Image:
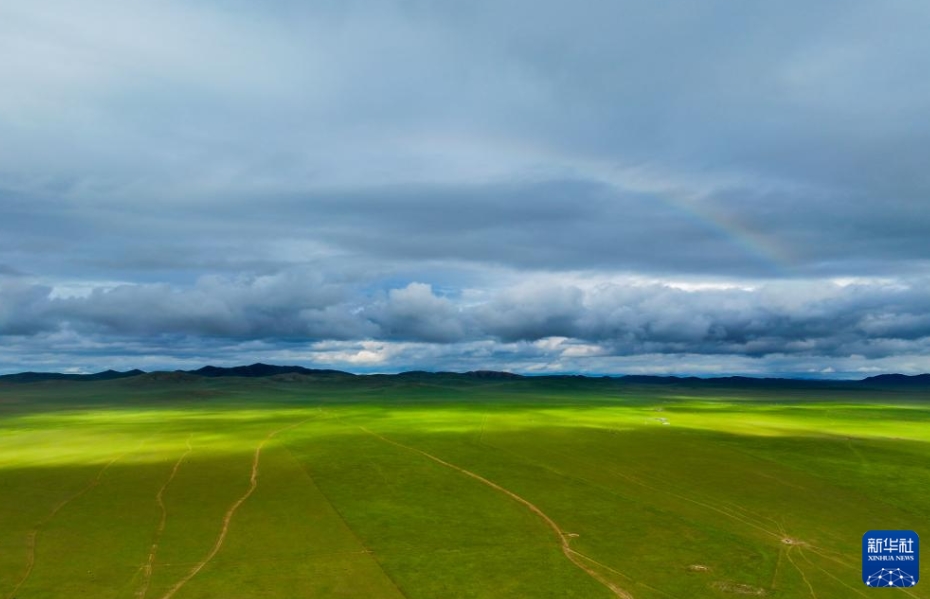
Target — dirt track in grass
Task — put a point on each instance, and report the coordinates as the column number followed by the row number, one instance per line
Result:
column 32, row 538
column 224, row 530
column 160, row 500
column 564, row 538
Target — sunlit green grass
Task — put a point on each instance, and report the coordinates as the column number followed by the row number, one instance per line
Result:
column 669, row 492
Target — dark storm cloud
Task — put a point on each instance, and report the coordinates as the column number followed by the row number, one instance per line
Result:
column 423, row 173
column 875, row 320
column 286, row 305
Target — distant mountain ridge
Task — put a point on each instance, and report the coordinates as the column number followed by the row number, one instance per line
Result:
column 899, row 379
column 30, row 377
column 260, row 370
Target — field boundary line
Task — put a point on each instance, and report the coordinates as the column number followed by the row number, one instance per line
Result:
column 564, row 543
column 159, row 499
column 365, row 549
column 227, row 518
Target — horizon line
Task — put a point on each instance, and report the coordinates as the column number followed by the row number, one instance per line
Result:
column 139, row 371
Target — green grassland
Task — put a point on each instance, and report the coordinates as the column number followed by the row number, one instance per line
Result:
column 436, row 489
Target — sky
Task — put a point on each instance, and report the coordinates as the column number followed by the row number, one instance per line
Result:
column 608, row 187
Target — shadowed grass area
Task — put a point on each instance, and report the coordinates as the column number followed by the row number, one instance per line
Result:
column 410, row 490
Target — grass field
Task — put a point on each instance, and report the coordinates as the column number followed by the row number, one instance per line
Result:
column 262, row 488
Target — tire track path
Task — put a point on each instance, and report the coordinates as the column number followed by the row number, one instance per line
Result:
column 575, row 557
column 253, row 483
column 839, row 580
column 801, row 572
column 32, row 538
column 160, row 500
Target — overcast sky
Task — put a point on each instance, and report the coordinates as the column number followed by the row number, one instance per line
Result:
column 607, row 187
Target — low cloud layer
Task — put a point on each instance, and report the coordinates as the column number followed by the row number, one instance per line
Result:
column 535, row 320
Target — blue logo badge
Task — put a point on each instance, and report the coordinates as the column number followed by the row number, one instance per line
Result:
column 890, row 558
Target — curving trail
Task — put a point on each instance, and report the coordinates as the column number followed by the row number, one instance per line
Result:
column 575, row 557
column 781, row 553
column 253, row 483
column 159, row 499
column 33, row 537
column 836, row 578
column 801, row 572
